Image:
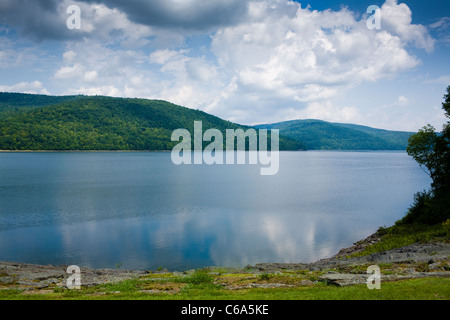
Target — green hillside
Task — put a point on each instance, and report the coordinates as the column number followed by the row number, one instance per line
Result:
column 322, row 135
column 39, row 122
column 11, row 101
column 42, row 122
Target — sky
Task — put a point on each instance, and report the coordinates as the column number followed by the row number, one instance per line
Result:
column 246, row 61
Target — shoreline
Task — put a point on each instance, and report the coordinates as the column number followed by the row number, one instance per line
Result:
column 418, row 260
column 316, row 150
column 63, row 151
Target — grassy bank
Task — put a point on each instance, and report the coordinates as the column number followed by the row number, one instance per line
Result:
column 174, row 288
column 400, row 235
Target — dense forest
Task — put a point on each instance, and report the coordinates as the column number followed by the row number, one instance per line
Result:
column 322, row 135
column 39, row 122
column 42, row 122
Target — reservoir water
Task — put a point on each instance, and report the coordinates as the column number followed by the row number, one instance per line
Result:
column 138, row 210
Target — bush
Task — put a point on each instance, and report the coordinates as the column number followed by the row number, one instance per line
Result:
column 427, row 209
column 199, row 277
column 446, row 226
column 421, row 208
column 264, row 276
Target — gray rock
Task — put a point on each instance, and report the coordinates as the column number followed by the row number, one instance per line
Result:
column 343, row 279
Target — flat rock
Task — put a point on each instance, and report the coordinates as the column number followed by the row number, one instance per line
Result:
column 416, row 253
column 24, row 275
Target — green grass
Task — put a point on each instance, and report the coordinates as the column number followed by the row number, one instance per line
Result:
column 201, row 276
column 400, row 235
column 416, row 289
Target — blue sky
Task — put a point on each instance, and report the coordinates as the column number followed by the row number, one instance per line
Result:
column 250, row 62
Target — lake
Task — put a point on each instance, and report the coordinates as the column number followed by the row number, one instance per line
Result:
column 137, row 210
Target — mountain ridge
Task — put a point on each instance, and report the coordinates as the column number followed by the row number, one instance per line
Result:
column 79, row 122
column 39, row 122
column 324, row 135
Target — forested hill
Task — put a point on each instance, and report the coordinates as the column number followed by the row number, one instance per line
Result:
column 322, row 135
column 40, row 122
column 15, row 101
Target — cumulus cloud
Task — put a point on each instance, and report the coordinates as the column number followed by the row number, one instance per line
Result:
column 89, row 67
column 110, row 91
column 295, row 54
column 397, row 18
column 69, row 72
column 35, row 87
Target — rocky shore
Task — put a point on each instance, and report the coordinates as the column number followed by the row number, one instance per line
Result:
column 408, row 262
column 413, row 261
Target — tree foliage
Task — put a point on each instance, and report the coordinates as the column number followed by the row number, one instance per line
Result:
column 432, row 151
column 323, row 135
column 422, row 147
column 39, row 122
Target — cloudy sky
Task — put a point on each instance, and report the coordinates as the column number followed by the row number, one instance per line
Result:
column 247, row 61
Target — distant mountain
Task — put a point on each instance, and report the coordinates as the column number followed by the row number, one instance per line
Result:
column 41, row 122
column 323, row 135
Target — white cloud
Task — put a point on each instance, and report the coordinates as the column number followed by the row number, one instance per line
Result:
column 166, row 55
column 90, row 76
column 397, row 18
column 302, row 58
column 112, row 25
column 35, row 87
column 69, row 72
column 402, row 101
column 91, row 66
column 69, row 56
column 325, row 111
column 101, row 91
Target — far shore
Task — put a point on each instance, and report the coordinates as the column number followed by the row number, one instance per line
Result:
column 314, row 150
column 31, row 151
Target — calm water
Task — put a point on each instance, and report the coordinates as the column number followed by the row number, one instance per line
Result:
column 140, row 211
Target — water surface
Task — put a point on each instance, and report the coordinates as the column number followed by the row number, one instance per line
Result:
column 138, row 210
